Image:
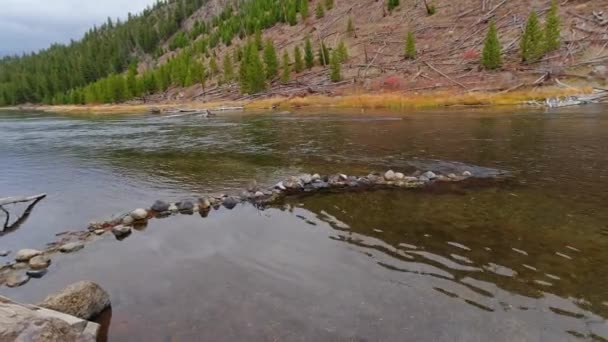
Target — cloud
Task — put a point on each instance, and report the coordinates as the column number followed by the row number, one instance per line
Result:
column 30, row 25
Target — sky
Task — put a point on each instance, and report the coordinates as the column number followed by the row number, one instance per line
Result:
column 30, row 25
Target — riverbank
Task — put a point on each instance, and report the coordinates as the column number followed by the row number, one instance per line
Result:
column 349, row 100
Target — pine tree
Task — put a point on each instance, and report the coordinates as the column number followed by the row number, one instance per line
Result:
column 329, row 4
column 286, row 70
column 323, row 55
column 350, row 27
column 213, row 67
column 251, row 78
column 531, row 45
column 271, row 60
column 309, row 56
column 392, row 4
column 552, row 28
column 258, row 39
column 228, row 69
column 291, row 13
column 410, row 46
column 342, row 52
column 319, row 11
column 304, row 10
column 132, row 81
column 336, row 75
column 298, row 62
column 491, row 57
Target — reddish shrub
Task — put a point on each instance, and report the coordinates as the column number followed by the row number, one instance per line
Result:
column 392, row 82
column 470, row 54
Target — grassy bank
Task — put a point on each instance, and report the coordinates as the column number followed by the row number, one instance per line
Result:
column 389, row 101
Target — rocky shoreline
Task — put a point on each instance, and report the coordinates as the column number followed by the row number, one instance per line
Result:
column 33, row 263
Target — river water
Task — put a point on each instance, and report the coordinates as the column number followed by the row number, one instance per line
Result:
column 518, row 260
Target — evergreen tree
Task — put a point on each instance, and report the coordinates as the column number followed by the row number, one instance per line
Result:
column 392, row 4
column 531, row 44
column 342, row 52
column 552, row 28
column 304, row 10
column 350, row 27
column 291, row 13
column 132, row 81
column 329, row 4
column 319, row 11
column 309, row 56
column 286, row 70
column 228, row 69
column 270, row 60
column 213, row 67
column 323, row 55
column 298, row 61
column 251, row 78
column 336, row 74
column 491, row 57
column 258, row 39
column 410, row 46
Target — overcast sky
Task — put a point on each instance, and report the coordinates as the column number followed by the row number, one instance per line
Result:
column 30, row 25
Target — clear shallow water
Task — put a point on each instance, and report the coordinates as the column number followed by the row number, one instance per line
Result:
column 519, row 260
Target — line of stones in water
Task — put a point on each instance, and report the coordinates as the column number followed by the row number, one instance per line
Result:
column 32, row 263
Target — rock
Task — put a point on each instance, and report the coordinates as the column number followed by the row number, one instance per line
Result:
column 84, row 300
column 173, row 208
column 127, row 220
column 99, row 231
column 139, row 214
column 121, row 232
column 430, row 175
column 318, row 185
column 343, row 176
column 29, row 323
column 280, row 186
column 229, row 203
column 259, row 194
column 452, row 176
column 17, row 279
column 399, row 176
column 37, row 274
column 204, row 203
column 424, row 179
column 4, row 253
column 467, row 174
column 316, row 177
column 410, row 179
column 39, row 262
column 93, row 225
column 335, row 180
column 25, row 255
column 292, row 183
column 389, row 175
column 306, row 178
column 71, row 247
column 185, row 206
column 20, row 265
column 160, row 206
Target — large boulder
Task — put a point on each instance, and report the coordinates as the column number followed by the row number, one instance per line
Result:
column 20, row 322
column 84, row 300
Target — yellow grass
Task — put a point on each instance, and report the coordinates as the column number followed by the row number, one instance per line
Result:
column 391, row 101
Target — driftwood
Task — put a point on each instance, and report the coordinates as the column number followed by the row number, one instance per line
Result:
column 8, row 228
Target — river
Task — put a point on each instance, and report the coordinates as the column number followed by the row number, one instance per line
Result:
column 518, row 260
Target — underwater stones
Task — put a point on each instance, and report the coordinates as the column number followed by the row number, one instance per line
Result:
column 389, row 175
column 71, row 247
column 121, row 232
column 84, row 300
column 160, row 206
column 230, row 203
column 139, row 214
column 17, row 279
column 39, row 262
column 37, row 274
column 25, row 255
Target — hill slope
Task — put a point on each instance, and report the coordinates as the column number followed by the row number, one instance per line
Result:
column 197, row 50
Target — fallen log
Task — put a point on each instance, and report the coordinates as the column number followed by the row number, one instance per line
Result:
column 13, row 200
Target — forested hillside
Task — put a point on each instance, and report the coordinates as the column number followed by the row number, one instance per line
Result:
column 207, row 49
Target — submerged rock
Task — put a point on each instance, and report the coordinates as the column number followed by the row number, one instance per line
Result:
column 17, row 279
column 121, row 232
column 84, row 300
column 139, row 214
column 25, row 255
column 71, row 247
column 160, row 206
column 37, row 274
column 4, row 253
column 230, row 203
column 39, row 262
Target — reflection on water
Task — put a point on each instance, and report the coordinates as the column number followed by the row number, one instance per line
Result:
column 517, row 260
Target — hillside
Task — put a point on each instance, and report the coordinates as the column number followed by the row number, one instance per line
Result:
column 196, row 50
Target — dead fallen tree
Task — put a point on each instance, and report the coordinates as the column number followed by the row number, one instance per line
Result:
column 7, row 226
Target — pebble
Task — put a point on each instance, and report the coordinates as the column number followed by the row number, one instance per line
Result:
column 26, row 254
column 389, row 175
column 139, row 214
column 71, row 247
column 17, row 279
column 160, row 206
column 4, row 253
column 121, row 232
column 37, row 274
column 39, row 262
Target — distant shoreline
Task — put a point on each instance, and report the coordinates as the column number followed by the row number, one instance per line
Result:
column 385, row 100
